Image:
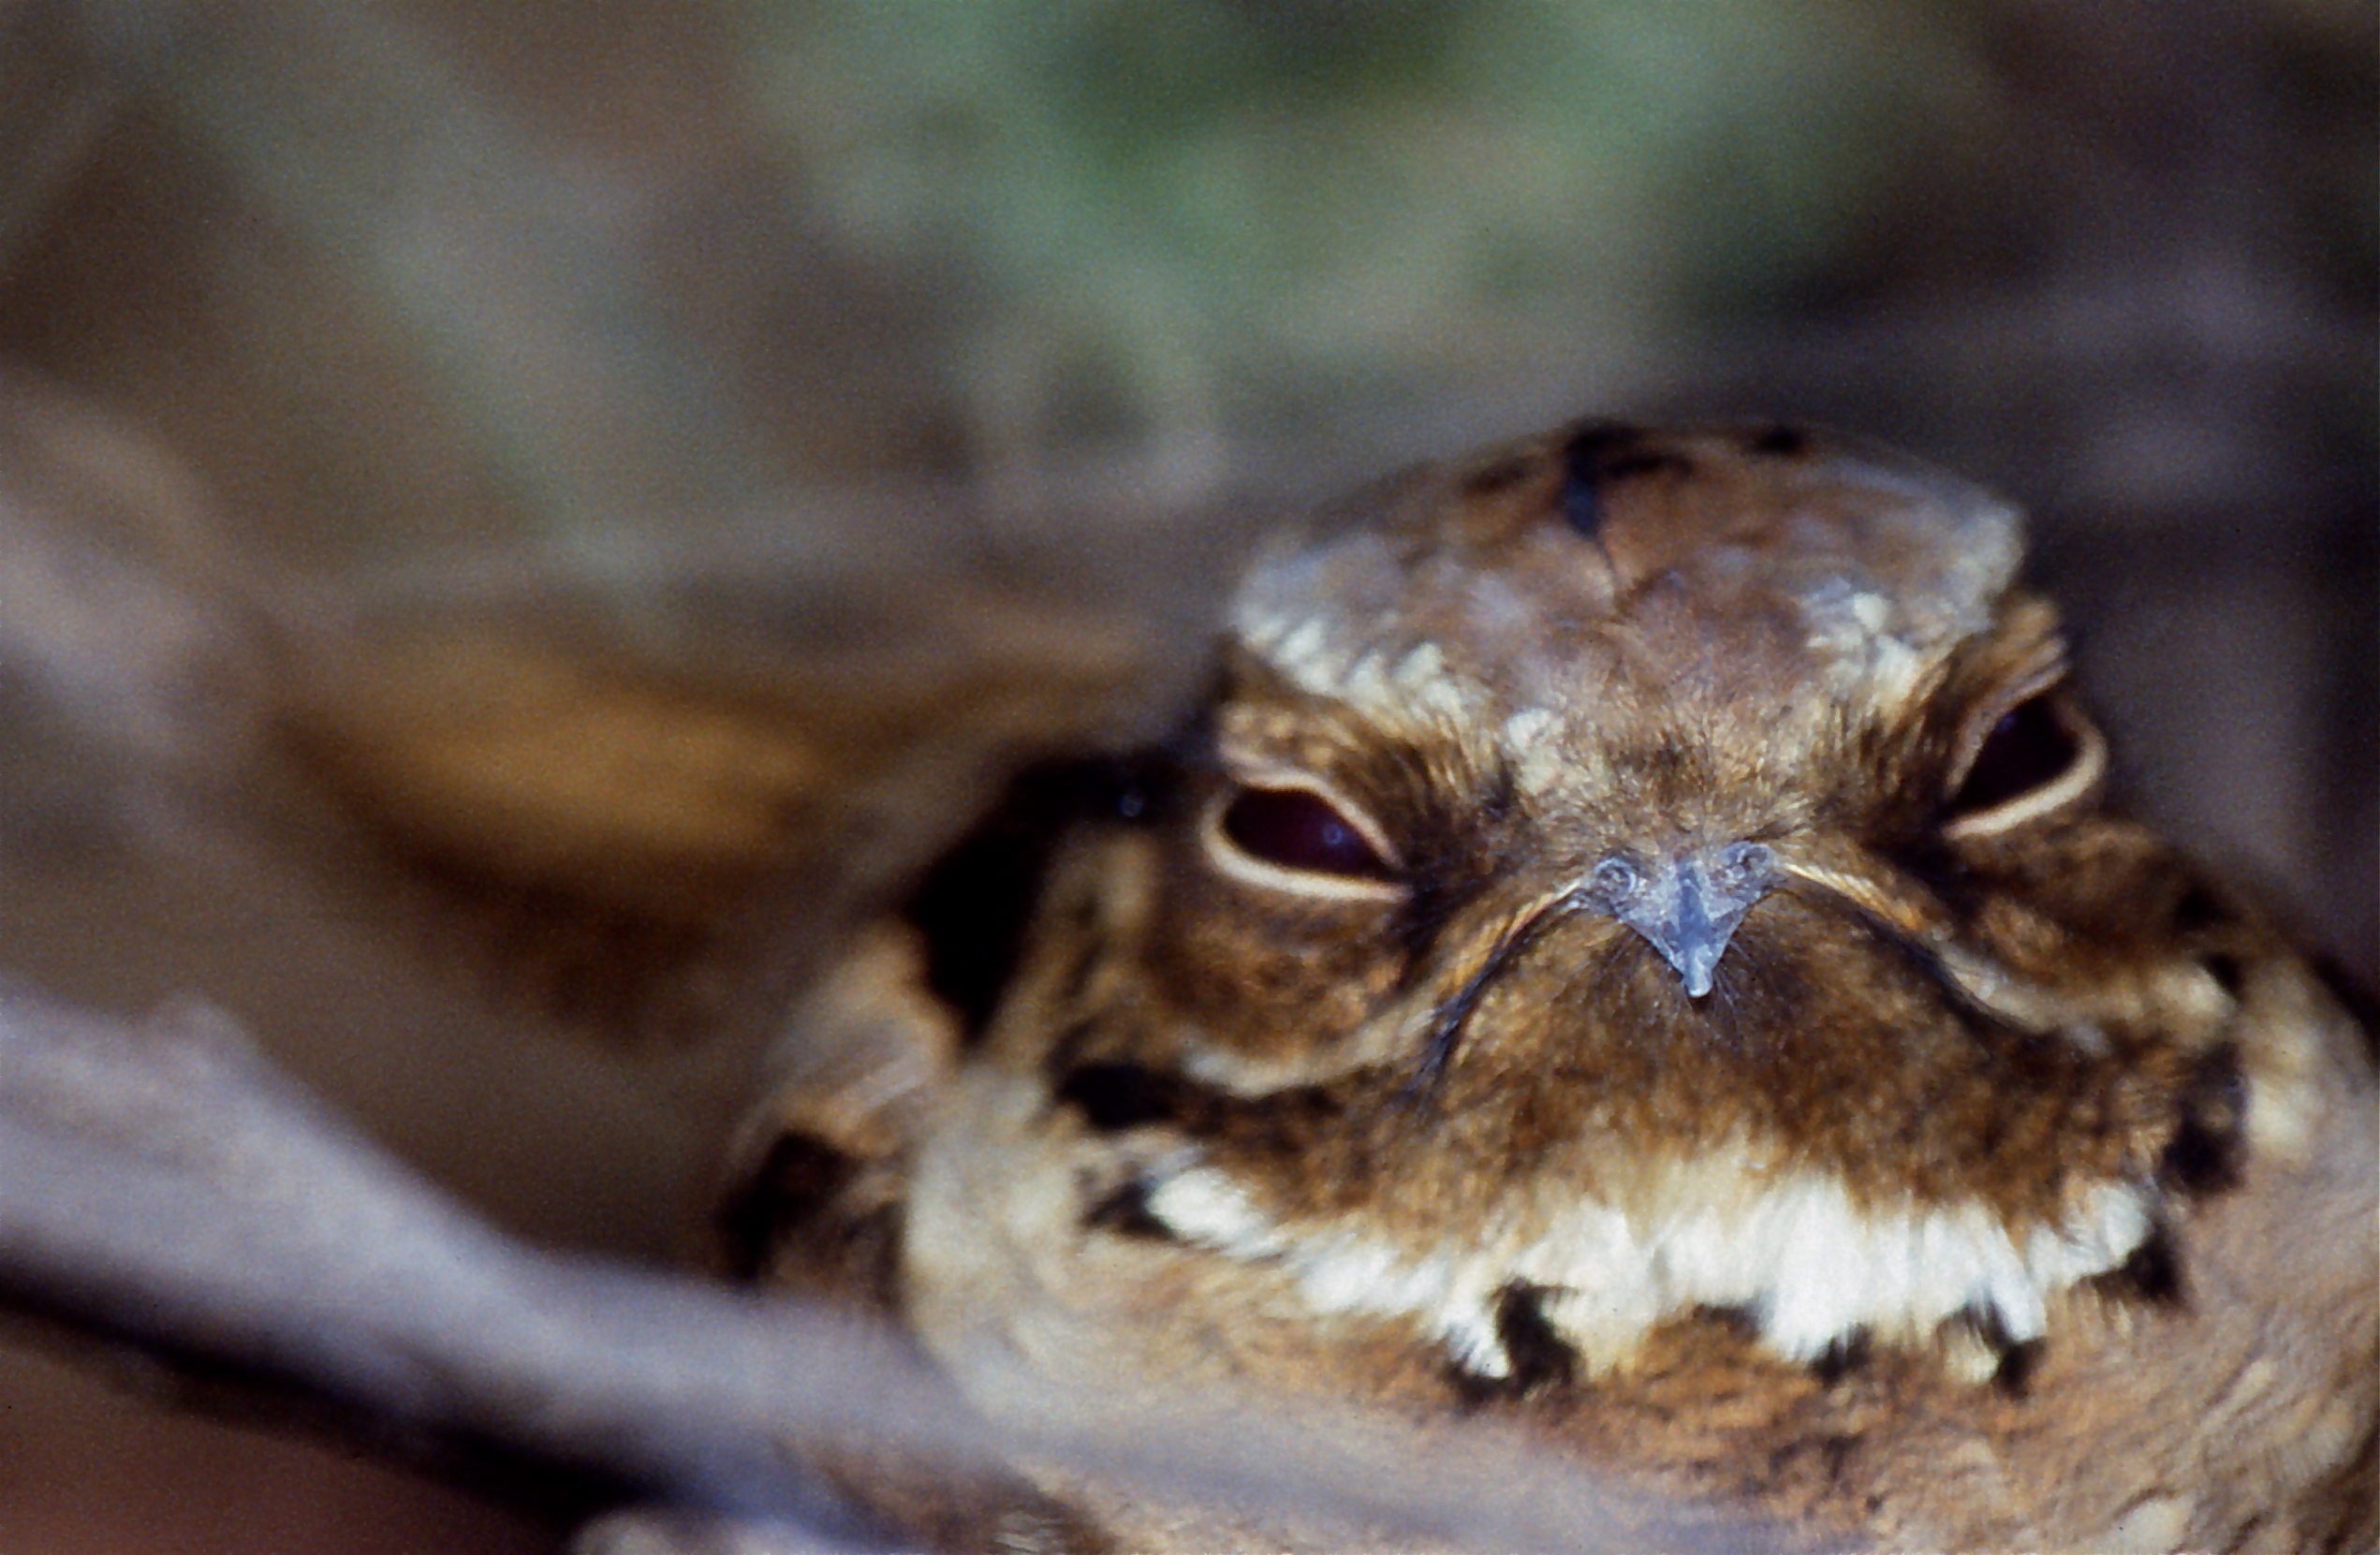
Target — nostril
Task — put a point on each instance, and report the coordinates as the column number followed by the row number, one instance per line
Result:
column 1745, row 862
column 1616, row 879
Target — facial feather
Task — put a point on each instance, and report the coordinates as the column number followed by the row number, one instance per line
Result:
column 1905, row 1089
column 1636, row 929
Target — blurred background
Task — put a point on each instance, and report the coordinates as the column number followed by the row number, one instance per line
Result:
column 889, row 382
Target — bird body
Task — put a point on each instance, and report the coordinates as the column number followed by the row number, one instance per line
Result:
column 1634, row 947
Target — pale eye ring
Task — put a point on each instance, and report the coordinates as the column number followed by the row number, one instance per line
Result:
column 2036, row 757
column 1294, row 834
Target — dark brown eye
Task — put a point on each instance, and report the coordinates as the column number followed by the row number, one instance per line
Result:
column 1295, row 828
column 2033, row 747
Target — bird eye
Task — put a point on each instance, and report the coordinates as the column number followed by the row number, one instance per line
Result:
column 1297, row 828
column 2029, row 746
column 2036, row 756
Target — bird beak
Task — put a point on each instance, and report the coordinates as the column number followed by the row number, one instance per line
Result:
column 1688, row 905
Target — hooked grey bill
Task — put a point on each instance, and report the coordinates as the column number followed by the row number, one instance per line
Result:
column 1687, row 905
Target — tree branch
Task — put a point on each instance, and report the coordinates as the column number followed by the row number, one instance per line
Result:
column 161, row 1187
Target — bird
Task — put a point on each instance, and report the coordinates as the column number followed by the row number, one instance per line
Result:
column 1634, row 945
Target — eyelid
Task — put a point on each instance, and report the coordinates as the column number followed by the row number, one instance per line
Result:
column 1354, row 814
column 2044, row 678
column 1234, row 860
column 2090, row 764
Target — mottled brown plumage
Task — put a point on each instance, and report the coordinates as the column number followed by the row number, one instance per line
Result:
column 1633, row 944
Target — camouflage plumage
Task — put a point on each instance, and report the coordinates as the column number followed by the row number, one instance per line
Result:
column 1634, row 945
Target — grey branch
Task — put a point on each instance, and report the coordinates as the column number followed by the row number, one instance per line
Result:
column 162, row 1187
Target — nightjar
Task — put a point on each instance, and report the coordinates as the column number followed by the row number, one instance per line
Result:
column 1632, row 945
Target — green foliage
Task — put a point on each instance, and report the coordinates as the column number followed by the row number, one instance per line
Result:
column 1187, row 212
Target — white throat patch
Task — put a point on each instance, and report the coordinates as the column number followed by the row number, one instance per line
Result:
column 1812, row 1268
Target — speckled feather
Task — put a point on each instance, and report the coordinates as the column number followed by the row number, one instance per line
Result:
column 1965, row 1190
